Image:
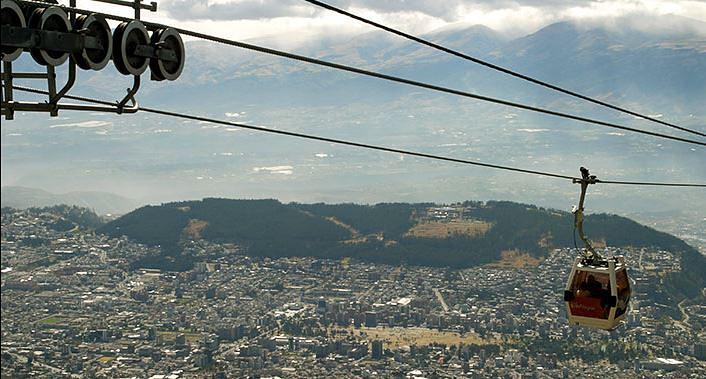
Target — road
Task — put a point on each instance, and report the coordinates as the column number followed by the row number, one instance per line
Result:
column 685, row 315
column 440, row 297
column 367, row 292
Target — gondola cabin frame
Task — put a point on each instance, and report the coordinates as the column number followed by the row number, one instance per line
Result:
column 597, row 293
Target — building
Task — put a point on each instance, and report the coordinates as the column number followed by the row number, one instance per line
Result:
column 377, row 350
column 371, row 319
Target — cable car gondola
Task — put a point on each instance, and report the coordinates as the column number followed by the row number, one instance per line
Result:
column 598, row 290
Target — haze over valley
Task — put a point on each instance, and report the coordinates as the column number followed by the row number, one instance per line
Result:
column 154, row 159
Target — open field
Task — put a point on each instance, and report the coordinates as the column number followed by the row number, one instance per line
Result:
column 515, row 259
column 437, row 229
column 397, row 337
column 106, row 360
column 195, row 228
column 55, row 320
column 354, row 232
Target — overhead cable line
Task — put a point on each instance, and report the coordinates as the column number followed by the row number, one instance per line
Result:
column 650, row 183
column 355, row 144
column 378, row 75
column 498, row 68
column 428, row 86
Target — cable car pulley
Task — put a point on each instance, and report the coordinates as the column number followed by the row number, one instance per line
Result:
column 170, row 54
column 96, row 56
column 11, row 16
column 50, row 19
column 53, row 33
column 127, row 39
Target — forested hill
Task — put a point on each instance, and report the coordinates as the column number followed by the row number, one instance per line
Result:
column 461, row 235
column 457, row 236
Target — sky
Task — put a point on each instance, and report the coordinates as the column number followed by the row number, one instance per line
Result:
column 290, row 21
column 282, row 22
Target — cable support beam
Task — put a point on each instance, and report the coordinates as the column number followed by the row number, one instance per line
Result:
column 498, row 68
column 359, row 144
column 391, row 78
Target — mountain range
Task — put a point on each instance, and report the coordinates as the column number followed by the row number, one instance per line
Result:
column 159, row 159
column 100, row 202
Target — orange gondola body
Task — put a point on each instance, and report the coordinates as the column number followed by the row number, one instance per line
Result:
column 597, row 293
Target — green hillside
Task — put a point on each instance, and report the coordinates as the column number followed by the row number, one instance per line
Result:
column 377, row 233
column 381, row 233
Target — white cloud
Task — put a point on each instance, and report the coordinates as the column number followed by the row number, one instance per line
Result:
column 281, row 170
column 84, row 124
column 297, row 21
column 528, row 130
column 237, row 9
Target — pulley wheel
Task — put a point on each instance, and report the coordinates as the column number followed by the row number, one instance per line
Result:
column 11, row 15
column 51, row 19
column 94, row 26
column 167, row 38
column 126, row 38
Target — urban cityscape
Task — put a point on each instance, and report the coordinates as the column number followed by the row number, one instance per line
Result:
column 262, row 189
column 75, row 305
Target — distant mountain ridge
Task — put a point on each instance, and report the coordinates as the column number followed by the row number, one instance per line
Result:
column 156, row 158
column 100, row 202
column 593, row 59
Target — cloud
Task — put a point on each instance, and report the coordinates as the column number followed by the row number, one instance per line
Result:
column 296, row 19
column 527, row 130
column 281, row 170
column 84, row 124
column 237, row 9
column 447, row 10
